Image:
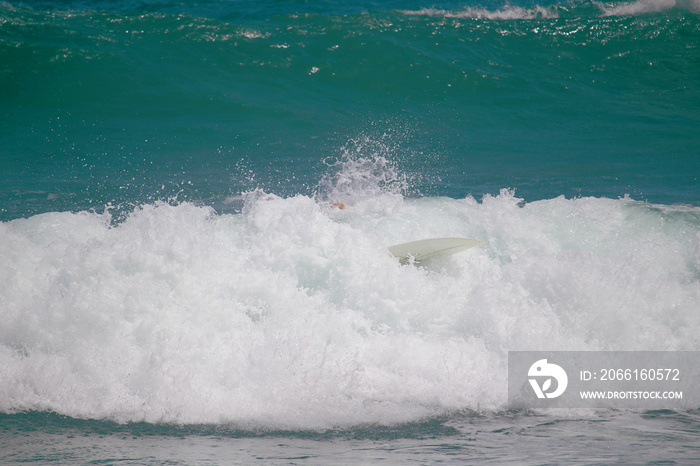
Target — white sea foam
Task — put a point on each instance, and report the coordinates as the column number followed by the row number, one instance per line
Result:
column 292, row 314
column 552, row 12
column 648, row 6
column 505, row 13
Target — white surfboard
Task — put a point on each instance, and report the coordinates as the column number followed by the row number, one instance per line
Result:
column 432, row 247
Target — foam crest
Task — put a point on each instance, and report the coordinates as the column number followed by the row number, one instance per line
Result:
column 292, row 314
column 505, row 13
column 649, row 6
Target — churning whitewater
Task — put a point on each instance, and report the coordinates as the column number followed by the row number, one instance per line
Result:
column 290, row 313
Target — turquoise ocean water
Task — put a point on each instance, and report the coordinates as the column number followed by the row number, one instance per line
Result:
column 175, row 287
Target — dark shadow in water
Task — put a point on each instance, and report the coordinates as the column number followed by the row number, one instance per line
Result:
column 31, row 422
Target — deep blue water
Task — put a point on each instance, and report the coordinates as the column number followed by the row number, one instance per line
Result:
column 129, row 102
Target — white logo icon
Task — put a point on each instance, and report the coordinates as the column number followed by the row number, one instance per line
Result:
column 542, row 369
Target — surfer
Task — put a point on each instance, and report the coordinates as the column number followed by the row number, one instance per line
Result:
column 339, row 205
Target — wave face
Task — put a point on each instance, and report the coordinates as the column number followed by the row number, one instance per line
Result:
column 133, row 102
